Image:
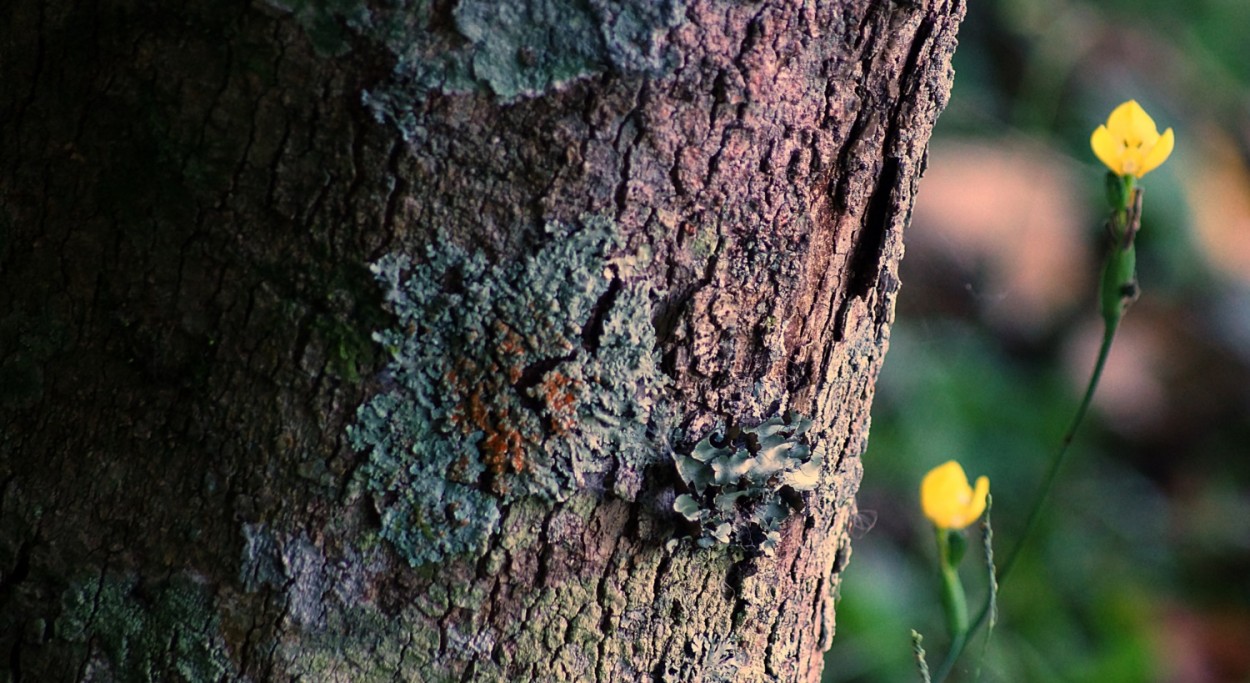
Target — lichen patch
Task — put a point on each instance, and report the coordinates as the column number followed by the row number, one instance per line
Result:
column 536, row 378
column 745, row 481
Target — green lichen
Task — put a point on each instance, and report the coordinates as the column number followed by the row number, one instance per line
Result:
column 523, row 47
column 346, row 350
column 532, row 379
column 745, row 482
column 330, row 24
column 512, row 48
column 556, row 632
column 373, row 646
column 148, row 632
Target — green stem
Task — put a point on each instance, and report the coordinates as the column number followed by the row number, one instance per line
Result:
column 1118, row 288
column 957, row 646
column 1039, row 504
column 1035, row 514
column 955, row 602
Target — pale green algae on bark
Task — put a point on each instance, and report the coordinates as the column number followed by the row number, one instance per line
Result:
column 510, row 48
column 146, row 632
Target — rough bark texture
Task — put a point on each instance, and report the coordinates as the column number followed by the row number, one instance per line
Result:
column 190, row 198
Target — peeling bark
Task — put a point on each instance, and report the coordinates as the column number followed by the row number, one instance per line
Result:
column 190, row 198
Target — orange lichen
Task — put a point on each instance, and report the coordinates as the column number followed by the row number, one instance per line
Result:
column 478, row 413
column 495, row 449
column 503, row 449
column 518, row 454
column 511, row 346
column 477, row 388
column 557, row 392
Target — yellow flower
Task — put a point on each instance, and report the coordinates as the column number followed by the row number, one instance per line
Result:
column 1130, row 144
column 947, row 499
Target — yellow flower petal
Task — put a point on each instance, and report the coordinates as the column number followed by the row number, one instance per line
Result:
column 979, row 499
column 1141, row 131
column 1107, row 149
column 1121, row 118
column 939, row 491
column 947, row 499
column 1129, row 144
column 1158, row 154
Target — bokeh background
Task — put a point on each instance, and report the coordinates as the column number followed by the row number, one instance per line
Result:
column 1141, row 570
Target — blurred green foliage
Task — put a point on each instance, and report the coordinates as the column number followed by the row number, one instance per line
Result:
column 1139, row 572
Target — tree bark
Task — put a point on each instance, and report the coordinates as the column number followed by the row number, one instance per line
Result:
column 605, row 238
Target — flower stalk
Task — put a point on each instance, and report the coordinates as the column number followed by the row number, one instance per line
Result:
column 1130, row 146
column 954, row 600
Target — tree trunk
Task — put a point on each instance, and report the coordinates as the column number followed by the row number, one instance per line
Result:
column 631, row 268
